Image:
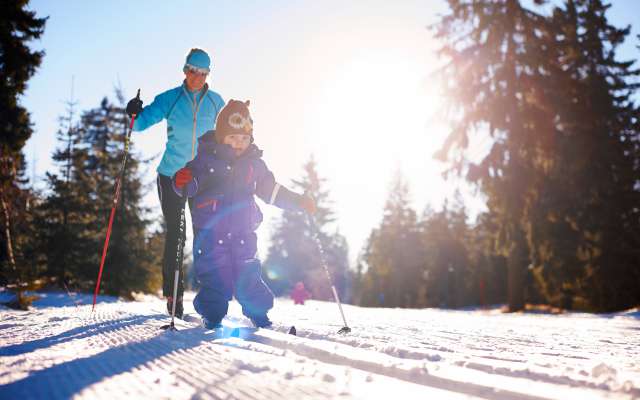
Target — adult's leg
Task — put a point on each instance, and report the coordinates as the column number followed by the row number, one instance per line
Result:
column 172, row 205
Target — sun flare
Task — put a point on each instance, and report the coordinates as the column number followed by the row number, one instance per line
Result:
column 382, row 107
column 374, row 116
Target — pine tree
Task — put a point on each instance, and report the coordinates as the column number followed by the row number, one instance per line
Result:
column 294, row 255
column 78, row 208
column 496, row 53
column 20, row 259
column 449, row 275
column 489, row 266
column 586, row 225
column 561, row 178
column 65, row 215
column 130, row 266
column 17, row 64
column 393, row 255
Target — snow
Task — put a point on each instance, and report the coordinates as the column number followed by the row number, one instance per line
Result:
column 59, row 350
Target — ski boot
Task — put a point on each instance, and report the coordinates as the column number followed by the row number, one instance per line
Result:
column 261, row 321
column 211, row 324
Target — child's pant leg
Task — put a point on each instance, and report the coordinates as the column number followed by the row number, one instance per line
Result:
column 213, row 269
column 251, row 291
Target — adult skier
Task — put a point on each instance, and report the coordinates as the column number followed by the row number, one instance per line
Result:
column 191, row 110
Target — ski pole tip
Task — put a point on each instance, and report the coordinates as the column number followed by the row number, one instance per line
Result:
column 344, row 330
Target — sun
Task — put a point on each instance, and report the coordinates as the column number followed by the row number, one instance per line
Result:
column 379, row 107
column 373, row 116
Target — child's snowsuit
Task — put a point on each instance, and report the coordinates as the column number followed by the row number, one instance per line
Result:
column 225, row 217
column 299, row 294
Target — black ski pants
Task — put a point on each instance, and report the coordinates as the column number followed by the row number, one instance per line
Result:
column 172, row 205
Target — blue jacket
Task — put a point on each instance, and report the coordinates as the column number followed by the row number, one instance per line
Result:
column 189, row 115
column 224, row 187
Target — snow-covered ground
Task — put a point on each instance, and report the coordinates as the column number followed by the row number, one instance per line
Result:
column 62, row 350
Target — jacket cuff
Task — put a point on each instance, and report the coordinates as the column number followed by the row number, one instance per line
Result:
column 288, row 200
column 189, row 190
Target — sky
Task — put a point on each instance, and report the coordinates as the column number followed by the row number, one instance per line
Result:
column 349, row 83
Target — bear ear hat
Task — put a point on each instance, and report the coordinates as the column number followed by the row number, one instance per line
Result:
column 246, row 103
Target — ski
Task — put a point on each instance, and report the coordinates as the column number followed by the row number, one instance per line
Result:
column 244, row 332
column 241, row 332
column 235, row 331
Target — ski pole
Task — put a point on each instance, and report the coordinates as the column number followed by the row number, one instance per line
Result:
column 179, row 257
column 115, row 205
column 345, row 329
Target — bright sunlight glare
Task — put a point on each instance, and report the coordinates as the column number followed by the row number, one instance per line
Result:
column 375, row 115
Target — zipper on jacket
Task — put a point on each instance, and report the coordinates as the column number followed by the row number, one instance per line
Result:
column 195, row 107
column 193, row 136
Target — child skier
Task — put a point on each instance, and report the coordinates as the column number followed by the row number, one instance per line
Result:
column 299, row 294
column 223, row 178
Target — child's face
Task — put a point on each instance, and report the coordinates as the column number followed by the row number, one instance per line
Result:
column 238, row 142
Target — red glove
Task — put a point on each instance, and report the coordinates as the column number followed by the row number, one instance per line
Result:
column 183, row 176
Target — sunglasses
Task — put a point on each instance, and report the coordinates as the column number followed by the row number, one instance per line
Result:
column 196, row 70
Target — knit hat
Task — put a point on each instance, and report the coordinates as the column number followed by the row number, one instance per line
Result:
column 199, row 60
column 234, row 119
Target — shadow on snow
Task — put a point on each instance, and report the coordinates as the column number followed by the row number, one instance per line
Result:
column 69, row 378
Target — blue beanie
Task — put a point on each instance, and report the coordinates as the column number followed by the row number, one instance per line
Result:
column 199, row 59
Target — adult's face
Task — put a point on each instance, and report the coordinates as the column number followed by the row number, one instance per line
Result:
column 195, row 80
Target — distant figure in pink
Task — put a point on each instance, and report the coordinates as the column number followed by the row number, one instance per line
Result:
column 299, row 294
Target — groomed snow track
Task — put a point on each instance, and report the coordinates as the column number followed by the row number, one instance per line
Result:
column 119, row 351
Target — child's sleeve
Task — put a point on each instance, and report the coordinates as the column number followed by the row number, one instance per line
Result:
column 271, row 192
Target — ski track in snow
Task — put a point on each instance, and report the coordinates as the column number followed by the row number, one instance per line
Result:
column 60, row 350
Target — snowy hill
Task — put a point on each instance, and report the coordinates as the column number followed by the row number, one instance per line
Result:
column 61, row 350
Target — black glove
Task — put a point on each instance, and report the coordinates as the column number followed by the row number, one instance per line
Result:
column 134, row 106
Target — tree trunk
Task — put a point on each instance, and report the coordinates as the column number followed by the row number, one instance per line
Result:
column 7, row 232
column 516, row 266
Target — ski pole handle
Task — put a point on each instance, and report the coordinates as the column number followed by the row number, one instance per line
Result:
column 133, row 116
